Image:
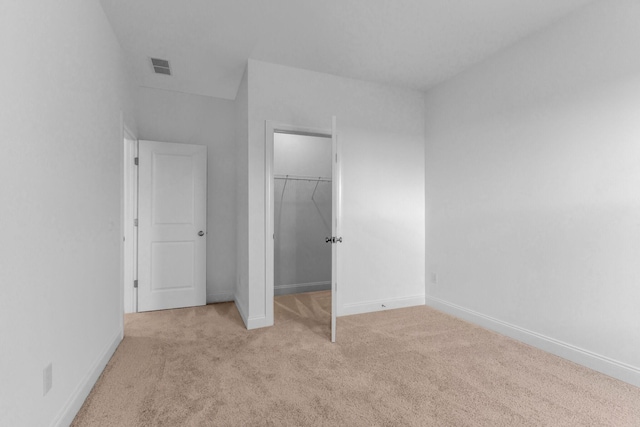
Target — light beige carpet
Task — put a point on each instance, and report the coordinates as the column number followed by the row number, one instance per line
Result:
column 415, row 366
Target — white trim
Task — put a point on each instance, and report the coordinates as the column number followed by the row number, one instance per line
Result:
column 123, row 216
column 241, row 309
column 258, row 322
column 597, row 362
column 134, row 184
column 130, row 205
column 269, row 226
column 250, row 322
column 301, row 287
column 270, row 128
column 220, row 297
column 127, row 247
column 74, row 403
column 380, row 305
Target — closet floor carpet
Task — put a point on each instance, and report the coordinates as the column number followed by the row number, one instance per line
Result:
column 414, row 366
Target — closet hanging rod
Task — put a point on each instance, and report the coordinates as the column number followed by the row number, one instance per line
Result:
column 302, row 178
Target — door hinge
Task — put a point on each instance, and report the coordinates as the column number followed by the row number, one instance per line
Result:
column 135, row 283
column 135, row 222
column 135, row 161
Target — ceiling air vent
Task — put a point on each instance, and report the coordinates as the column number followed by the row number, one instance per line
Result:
column 161, row 66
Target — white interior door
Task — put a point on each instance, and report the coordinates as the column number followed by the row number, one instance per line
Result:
column 172, row 233
column 335, row 225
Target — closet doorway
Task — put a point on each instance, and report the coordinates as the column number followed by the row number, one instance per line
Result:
column 302, row 212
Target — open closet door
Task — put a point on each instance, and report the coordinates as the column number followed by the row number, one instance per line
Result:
column 335, row 225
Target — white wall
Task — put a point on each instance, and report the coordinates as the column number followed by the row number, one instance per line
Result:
column 302, row 214
column 190, row 119
column 63, row 89
column 381, row 132
column 533, row 190
column 301, row 155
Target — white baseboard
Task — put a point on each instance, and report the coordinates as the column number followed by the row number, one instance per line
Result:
column 258, row 322
column 241, row 309
column 380, row 305
column 607, row 366
column 301, row 287
column 250, row 322
column 70, row 409
column 220, row 297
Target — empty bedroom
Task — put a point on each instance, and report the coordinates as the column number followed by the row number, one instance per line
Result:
column 326, row 212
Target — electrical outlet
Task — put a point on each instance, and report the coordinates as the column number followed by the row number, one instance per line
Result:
column 434, row 277
column 47, row 379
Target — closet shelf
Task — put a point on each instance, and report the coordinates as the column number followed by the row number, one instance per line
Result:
column 303, row 178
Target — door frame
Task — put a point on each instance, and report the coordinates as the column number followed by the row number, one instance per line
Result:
column 130, row 213
column 271, row 128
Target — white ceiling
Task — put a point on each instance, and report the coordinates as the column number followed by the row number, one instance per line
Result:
column 408, row 43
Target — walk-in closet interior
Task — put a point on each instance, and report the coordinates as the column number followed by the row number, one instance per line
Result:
column 302, row 213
